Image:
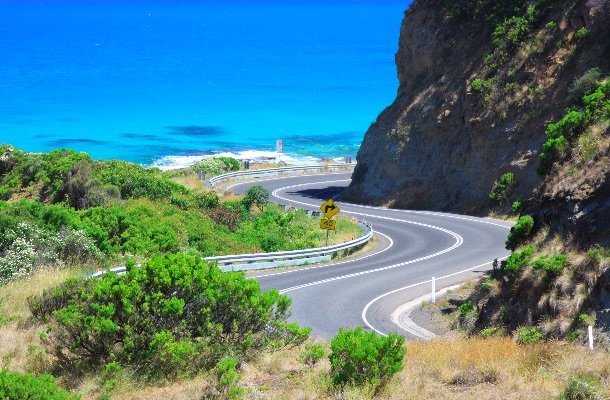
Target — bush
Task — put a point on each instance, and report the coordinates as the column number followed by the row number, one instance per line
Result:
column 552, row 266
column 529, row 336
column 27, row 247
column 231, row 164
column 502, row 188
column 519, row 232
column 582, row 33
column 227, row 379
column 477, row 84
column 466, row 308
column 583, row 388
column 216, row 165
column 515, row 263
column 173, row 317
column 311, row 355
column 358, row 357
column 489, row 332
column 17, row 386
column 517, row 206
column 586, row 84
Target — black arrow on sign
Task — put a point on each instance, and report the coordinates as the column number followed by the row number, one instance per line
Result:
column 332, row 207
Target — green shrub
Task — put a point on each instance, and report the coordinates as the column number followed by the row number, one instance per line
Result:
column 466, row 308
column 569, row 126
column 477, row 84
column 581, row 33
column 596, row 103
column 227, row 379
column 552, row 266
column 17, row 386
column 502, row 188
column 515, row 263
column 585, row 84
column 134, row 181
column 358, row 357
column 519, row 233
column 551, row 26
column 583, row 388
column 517, row 206
column 529, row 336
column 311, row 355
column 489, row 332
column 231, row 164
column 173, row 317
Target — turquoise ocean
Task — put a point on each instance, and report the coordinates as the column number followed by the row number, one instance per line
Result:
column 165, row 83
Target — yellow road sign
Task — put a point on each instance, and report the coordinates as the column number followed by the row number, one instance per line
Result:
column 329, row 208
column 328, row 224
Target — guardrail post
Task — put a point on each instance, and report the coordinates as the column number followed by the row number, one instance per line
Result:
column 590, row 337
column 433, row 290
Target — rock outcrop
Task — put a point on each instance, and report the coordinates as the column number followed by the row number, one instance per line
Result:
column 441, row 144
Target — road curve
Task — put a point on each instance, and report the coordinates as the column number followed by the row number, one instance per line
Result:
column 413, row 247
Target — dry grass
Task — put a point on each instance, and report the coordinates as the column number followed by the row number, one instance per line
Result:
column 492, row 368
column 191, row 182
column 20, row 346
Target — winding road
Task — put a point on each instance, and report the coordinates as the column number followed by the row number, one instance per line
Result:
column 413, row 246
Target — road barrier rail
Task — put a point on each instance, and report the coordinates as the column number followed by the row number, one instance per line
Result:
column 263, row 173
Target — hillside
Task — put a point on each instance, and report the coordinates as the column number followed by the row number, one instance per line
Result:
column 504, row 107
column 479, row 83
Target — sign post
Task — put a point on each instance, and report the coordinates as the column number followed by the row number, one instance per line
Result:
column 329, row 208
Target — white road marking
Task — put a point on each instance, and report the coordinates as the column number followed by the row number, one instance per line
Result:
column 366, row 308
column 457, row 244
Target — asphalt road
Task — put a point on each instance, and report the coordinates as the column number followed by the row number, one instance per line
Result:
column 413, row 247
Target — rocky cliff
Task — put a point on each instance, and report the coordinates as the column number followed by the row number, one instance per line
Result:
column 479, row 82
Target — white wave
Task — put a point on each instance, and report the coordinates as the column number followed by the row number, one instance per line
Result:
column 255, row 156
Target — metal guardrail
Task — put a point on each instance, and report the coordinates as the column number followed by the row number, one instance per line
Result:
column 260, row 173
column 243, row 262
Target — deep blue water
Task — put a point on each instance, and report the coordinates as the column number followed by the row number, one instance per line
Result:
column 164, row 83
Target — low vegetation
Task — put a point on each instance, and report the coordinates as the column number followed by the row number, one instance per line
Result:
column 174, row 318
column 62, row 209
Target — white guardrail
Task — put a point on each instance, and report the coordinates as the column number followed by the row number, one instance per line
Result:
column 245, row 262
column 262, row 173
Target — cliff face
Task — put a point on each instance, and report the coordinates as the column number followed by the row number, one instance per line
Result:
column 445, row 140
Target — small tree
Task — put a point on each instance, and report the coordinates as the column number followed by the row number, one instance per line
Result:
column 360, row 357
column 256, row 195
column 519, row 232
column 502, row 188
column 311, row 355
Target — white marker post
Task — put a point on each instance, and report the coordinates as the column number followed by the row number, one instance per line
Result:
column 591, row 337
column 433, row 290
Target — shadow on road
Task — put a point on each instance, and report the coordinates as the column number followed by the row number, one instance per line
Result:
column 322, row 194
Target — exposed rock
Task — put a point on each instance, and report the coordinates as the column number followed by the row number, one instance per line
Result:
column 459, row 143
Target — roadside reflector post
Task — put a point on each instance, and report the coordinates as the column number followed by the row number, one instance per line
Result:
column 591, row 337
column 433, row 290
